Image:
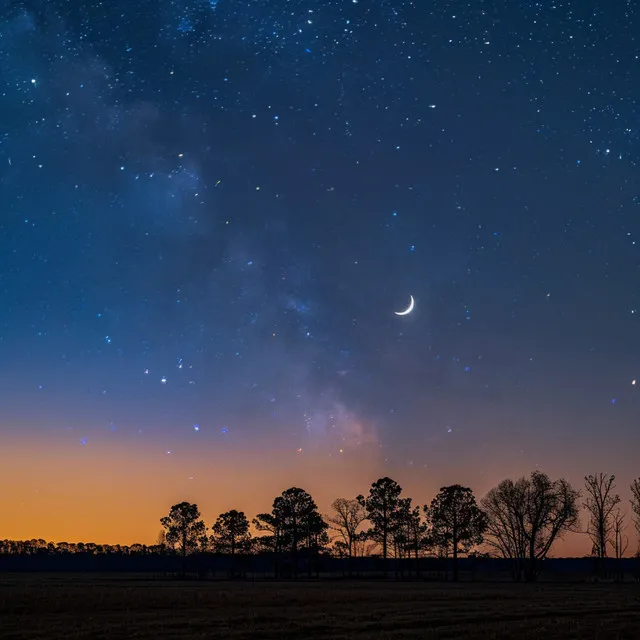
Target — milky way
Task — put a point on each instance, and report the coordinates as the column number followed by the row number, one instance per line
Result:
column 211, row 210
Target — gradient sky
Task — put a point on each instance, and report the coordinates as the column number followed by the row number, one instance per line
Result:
column 211, row 209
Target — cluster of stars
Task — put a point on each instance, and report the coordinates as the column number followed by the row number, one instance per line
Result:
column 242, row 187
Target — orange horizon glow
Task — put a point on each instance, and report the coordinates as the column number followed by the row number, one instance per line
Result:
column 109, row 496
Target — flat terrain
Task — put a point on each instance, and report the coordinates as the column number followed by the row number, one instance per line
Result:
column 90, row 606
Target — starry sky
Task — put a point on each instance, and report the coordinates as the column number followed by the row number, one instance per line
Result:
column 211, row 209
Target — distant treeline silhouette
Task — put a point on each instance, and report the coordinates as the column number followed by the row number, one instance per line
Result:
column 510, row 532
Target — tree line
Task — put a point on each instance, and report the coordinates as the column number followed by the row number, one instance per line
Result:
column 518, row 520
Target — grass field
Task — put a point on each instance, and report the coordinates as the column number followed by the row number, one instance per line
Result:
column 67, row 607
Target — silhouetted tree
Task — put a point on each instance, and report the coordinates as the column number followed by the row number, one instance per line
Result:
column 383, row 506
column 294, row 522
column 364, row 545
column 161, row 541
column 184, row 528
column 414, row 530
column 317, row 539
column 272, row 526
column 635, row 505
column 231, row 532
column 455, row 522
column 600, row 502
column 339, row 549
column 399, row 537
column 346, row 519
column 204, row 542
column 231, row 535
column 407, row 532
column 525, row 518
column 619, row 540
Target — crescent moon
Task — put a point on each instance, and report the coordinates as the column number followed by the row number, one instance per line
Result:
column 408, row 310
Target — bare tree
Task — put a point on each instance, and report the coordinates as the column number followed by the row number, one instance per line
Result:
column 505, row 506
column 619, row 541
column 525, row 518
column 346, row 519
column 600, row 502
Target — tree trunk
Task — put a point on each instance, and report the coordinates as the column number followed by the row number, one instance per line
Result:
column 530, row 570
column 276, row 557
column 184, row 555
column 455, row 558
column 384, row 552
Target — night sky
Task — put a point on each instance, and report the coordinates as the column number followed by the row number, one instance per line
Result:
column 211, row 209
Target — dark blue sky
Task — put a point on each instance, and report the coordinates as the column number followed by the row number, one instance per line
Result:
column 210, row 210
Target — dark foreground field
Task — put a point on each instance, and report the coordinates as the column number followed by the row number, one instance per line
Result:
column 67, row 607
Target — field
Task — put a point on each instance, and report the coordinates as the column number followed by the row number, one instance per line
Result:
column 68, row 607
